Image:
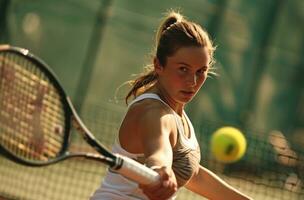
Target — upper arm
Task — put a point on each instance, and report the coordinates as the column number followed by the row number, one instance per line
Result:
column 155, row 128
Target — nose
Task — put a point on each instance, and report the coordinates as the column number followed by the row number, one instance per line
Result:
column 192, row 79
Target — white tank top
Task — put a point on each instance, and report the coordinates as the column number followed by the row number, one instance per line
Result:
column 117, row 187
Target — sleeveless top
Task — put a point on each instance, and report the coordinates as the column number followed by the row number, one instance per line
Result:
column 186, row 158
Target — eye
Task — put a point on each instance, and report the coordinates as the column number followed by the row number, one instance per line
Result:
column 202, row 70
column 183, row 69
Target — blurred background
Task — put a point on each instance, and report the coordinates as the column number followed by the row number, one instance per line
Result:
column 95, row 46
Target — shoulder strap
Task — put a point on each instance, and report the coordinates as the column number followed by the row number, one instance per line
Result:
column 155, row 96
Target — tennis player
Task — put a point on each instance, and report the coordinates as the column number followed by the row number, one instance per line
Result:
column 156, row 130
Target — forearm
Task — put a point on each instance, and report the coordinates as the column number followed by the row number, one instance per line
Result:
column 208, row 184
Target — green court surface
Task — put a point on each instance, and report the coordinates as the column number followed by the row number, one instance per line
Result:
column 76, row 179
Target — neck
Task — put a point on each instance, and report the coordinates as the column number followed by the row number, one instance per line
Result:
column 164, row 95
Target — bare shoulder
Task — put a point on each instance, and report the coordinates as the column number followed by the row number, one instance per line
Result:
column 150, row 111
column 147, row 120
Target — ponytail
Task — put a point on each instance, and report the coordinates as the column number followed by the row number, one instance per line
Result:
column 142, row 83
column 147, row 79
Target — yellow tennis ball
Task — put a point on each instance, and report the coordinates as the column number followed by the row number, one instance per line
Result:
column 228, row 144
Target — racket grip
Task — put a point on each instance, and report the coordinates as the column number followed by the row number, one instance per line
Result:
column 135, row 171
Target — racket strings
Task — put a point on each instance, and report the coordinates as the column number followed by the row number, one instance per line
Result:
column 31, row 112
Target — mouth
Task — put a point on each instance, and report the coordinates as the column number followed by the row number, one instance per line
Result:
column 188, row 93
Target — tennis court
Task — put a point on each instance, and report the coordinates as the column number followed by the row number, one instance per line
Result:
column 94, row 46
column 257, row 174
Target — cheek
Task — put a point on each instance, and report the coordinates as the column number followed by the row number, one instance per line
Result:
column 202, row 79
column 177, row 81
column 176, row 78
column 172, row 80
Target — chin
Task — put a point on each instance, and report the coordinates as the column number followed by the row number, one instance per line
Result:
column 186, row 97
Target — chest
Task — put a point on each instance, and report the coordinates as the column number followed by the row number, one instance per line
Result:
column 185, row 126
column 185, row 163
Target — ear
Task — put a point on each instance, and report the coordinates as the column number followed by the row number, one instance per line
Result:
column 157, row 66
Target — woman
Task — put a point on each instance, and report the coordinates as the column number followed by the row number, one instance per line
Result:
column 156, row 130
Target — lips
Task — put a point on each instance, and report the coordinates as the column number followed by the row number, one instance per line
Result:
column 188, row 93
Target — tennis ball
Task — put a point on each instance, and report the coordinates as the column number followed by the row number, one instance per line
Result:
column 228, row 144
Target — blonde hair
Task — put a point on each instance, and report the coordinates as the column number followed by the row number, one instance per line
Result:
column 173, row 33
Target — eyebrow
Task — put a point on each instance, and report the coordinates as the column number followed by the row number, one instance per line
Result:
column 183, row 63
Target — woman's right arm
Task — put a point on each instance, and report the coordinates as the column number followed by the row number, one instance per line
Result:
column 154, row 128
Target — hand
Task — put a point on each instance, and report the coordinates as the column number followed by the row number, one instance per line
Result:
column 164, row 189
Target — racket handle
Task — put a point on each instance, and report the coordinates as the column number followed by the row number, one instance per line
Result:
column 135, row 171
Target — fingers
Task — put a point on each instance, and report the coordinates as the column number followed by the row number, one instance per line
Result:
column 164, row 189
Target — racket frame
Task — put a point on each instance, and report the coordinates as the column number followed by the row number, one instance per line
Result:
column 71, row 119
column 123, row 165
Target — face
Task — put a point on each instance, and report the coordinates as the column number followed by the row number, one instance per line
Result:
column 184, row 73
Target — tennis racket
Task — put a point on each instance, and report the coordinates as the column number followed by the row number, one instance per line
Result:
column 36, row 119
